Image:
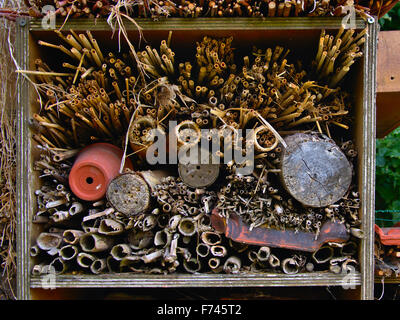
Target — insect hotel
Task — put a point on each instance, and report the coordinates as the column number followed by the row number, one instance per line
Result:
column 225, row 143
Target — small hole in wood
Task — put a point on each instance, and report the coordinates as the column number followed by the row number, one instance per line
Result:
column 392, row 78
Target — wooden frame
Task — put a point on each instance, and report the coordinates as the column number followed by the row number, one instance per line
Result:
column 365, row 131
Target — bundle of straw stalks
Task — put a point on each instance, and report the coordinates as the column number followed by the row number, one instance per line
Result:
column 8, row 111
column 211, row 8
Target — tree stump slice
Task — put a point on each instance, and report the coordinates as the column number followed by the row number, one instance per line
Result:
column 314, row 170
column 129, row 194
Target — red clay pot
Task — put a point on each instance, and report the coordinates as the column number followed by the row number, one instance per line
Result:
column 94, row 168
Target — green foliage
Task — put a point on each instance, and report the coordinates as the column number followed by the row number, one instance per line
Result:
column 391, row 20
column 388, row 153
column 388, row 172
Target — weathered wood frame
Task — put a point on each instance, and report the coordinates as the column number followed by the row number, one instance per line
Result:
column 365, row 128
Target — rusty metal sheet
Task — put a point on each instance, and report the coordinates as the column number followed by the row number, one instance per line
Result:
column 388, row 236
column 234, row 228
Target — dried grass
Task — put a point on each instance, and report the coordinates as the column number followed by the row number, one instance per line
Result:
column 8, row 156
column 115, row 20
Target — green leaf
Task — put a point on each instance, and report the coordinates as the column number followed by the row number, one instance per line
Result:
column 391, row 20
column 395, row 154
column 386, row 192
column 395, row 206
column 380, row 160
column 388, row 171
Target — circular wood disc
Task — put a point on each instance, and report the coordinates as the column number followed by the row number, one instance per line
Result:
column 314, row 170
column 198, row 175
column 129, row 194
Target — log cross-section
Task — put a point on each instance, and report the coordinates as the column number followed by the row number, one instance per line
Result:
column 314, row 170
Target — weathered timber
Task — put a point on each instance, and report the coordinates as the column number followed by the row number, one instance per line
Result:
column 314, row 170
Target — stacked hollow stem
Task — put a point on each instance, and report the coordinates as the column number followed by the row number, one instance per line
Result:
column 211, row 8
column 96, row 99
column 103, row 96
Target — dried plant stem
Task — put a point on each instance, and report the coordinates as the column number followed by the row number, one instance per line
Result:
column 58, row 74
column 8, row 222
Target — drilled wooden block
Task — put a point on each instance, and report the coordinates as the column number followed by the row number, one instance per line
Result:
column 129, row 194
column 198, row 173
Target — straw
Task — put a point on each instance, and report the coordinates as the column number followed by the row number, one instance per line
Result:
column 8, row 154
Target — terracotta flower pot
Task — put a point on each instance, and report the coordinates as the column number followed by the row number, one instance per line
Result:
column 94, row 168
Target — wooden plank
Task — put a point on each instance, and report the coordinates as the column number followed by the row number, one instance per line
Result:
column 22, row 57
column 261, row 279
column 388, row 77
column 388, row 112
column 388, row 83
column 236, row 23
